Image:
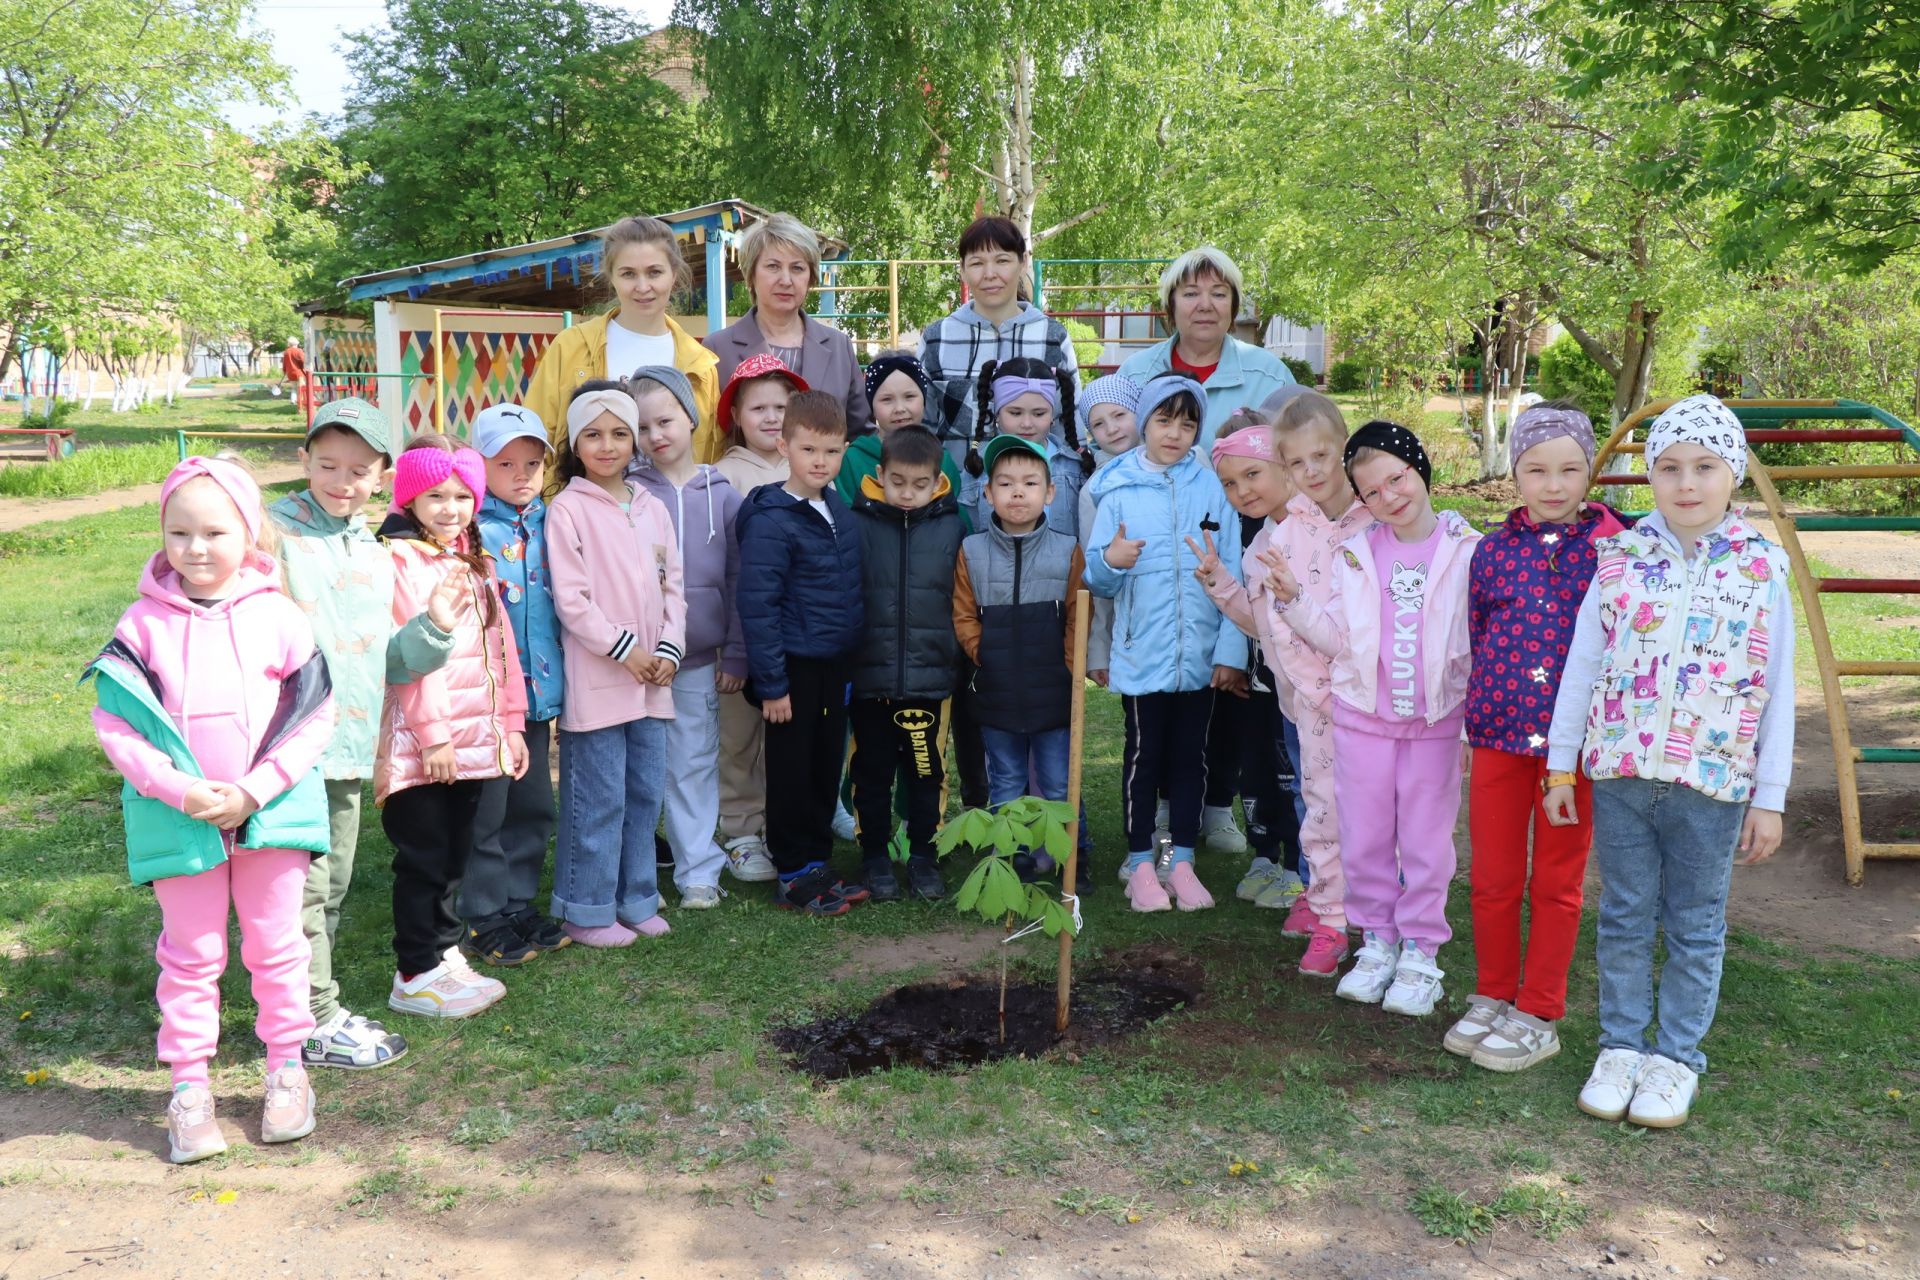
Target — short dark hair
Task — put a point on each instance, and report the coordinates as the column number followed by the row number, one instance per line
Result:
column 1180, row 404
column 814, row 411
column 992, row 232
column 911, row 447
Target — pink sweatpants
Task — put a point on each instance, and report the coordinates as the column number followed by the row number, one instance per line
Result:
column 1404, row 794
column 264, row 887
column 1320, row 833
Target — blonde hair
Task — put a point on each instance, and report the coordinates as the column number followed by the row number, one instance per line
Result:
column 778, row 229
column 1310, row 409
column 1193, row 265
column 628, row 232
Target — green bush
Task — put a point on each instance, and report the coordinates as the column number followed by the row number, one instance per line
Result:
column 1086, row 346
column 1302, row 371
column 1568, row 373
column 52, row 416
column 1346, row 377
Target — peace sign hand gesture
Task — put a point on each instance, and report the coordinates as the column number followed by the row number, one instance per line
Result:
column 1209, row 565
column 1280, row 579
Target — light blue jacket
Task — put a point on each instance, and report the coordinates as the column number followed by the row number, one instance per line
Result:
column 1245, row 376
column 1168, row 635
column 516, row 538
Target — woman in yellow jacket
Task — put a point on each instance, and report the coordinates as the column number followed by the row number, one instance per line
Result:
column 640, row 261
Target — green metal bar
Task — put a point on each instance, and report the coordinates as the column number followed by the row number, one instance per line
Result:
column 182, row 437
column 1827, row 524
column 1887, row 755
column 1119, row 262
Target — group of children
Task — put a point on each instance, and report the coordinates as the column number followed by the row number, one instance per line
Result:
column 706, row 638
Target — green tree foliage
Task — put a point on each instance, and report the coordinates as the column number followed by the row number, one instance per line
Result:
column 1809, row 114
column 473, row 125
column 129, row 203
column 1568, row 373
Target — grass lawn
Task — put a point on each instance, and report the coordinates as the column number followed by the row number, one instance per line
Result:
column 1265, row 1098
column 120, row 449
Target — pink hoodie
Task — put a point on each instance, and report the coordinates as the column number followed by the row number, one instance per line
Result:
column 474, row 701
column 1308, row 541
column 219, row 668
column 1347, row 628
column 617, row 587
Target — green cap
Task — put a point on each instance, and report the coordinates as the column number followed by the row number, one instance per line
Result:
column 362, row 417
column 1001, row 445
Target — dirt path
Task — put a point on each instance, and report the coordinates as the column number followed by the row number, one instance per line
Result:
column 18, row 513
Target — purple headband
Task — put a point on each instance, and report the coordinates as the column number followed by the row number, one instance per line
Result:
column 1537, row 426
column 1010, row 388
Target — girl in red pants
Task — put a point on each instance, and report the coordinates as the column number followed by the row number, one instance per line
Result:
column 1523, row 592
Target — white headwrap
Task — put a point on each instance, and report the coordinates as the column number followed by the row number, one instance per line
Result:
column 1703, row 420
column 588, row 405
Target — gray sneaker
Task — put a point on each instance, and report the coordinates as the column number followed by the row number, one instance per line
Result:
column 1518, row 1040
column 1464, row 1036
column 700, row 897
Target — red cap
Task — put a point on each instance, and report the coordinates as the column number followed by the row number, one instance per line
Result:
column 757, row 366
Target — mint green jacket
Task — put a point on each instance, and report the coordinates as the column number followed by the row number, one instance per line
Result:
column 161, row 840
column 341, row 577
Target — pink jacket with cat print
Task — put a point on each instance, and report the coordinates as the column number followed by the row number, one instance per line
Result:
column 1347, row 628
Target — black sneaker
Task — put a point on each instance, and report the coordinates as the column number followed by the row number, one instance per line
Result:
column 851, row 892
column 923, row 878
column 882, row 884
column 662, row 853
column 1032, row 867
column 499, row 944
column 812, row 893
column 540, row 932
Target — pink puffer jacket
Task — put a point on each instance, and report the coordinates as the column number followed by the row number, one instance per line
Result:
column 474, row 701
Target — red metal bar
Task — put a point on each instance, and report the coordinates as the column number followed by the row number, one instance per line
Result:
column 1622, row 479
column 1823, row 435
column 1872, row 586
column 1088, row 315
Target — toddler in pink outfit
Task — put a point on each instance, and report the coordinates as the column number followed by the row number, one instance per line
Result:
column 215, row 708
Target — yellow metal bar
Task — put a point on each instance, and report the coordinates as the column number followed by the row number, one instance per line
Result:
column 439, row 376
column 1891, row 850
column 1877, row 668
column 1816, row 616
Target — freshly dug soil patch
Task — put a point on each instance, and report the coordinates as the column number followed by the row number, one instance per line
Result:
column 941, row 1025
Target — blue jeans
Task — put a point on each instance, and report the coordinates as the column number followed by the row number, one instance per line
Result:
column 611, row 784
column 1666, row 860
column 1014, row 759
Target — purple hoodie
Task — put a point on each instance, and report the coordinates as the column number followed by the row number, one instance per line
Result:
column 703, row 512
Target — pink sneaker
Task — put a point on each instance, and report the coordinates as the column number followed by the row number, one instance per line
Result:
column 288, row 1114
column 1325, row 950
column 1187, row 889
column 606, row 935
column 1144, row 891
column 1300, row 921
column 192, row 1132
column 654, row 926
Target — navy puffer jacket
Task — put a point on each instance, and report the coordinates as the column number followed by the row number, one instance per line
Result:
column 799, row 589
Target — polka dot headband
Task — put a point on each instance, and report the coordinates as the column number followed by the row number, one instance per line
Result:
column 1390, row 437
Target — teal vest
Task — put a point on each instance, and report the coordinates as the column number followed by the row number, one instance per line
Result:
column 161, row 840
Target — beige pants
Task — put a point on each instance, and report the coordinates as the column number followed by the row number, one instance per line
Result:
column 326, row 889
column 743, row 768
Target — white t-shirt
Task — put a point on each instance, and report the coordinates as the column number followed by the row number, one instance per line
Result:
column 818, row 504
column 627, row 350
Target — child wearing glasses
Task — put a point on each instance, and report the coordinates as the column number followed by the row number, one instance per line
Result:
column 1395, row 633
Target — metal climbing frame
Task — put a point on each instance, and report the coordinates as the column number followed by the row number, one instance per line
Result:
column 1046, row 280
column 1762, row 418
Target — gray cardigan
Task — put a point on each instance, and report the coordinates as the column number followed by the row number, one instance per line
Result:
column 827, row 362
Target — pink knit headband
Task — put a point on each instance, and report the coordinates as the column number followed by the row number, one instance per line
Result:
column 1249, row 442
column 419, row 470
column 233, row 481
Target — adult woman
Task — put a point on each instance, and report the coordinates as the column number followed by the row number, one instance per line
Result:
column 780, row 257
column 994, row 323
column 1200, row 296
column 640, row 262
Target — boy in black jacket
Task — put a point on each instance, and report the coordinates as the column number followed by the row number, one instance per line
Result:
column 910, row 530
column 800, row 609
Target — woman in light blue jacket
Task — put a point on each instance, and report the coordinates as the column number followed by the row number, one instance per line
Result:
column 1161, row 518
column 1200, row 296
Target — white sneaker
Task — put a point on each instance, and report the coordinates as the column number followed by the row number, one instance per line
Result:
column 749, row 861
column 843, row 827
column 1464, row 1036
column 192, row 1132
column 1218, row 834
column 1664, row 1094
column 440, row 993
column 1372, row 972
column 457, row 961
column 1260, row 874
column 1416, row 983
column 1518, row 1041
column 350, row 1041
column 1609, row 1090
column 700, row 897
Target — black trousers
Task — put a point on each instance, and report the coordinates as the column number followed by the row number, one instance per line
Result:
column 1166, row 753
column 511, row 834
column 1266, row 778
column 431, row 829
column 900, row 737
column 969, row 752
column 1233, row 721
column 803, row 763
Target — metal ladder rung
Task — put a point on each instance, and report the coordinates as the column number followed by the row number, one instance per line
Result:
column 1876, row 668
column 1887, row 755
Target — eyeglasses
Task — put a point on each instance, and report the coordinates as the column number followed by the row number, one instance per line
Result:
column 1397, row 483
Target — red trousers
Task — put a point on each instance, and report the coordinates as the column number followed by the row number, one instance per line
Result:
column 1503, row 802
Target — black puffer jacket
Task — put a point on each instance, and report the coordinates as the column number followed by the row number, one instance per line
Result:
column 907, row 558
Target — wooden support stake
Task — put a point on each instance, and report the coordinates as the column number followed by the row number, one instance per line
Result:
column 1063, row 983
